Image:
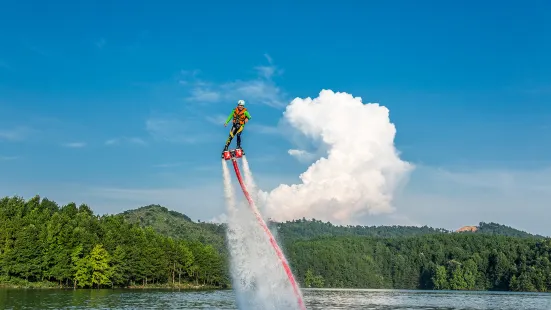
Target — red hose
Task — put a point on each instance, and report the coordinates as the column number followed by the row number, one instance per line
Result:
column 271, row 237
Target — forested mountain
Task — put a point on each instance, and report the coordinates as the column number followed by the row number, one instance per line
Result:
column 41, row 242
column 307, row 229
column 304, row 229
column 502, row 230
column 493, row 257
column 177, row 225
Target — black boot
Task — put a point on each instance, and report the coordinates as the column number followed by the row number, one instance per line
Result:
column 225, row 150
column 239, row 147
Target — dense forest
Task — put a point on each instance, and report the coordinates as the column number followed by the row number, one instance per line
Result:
column 463, row 261
column 494, row 257
column 41, row 242
column 70, row 246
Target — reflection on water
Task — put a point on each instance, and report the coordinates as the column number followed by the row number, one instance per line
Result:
column 315, row 299
column 426, row 300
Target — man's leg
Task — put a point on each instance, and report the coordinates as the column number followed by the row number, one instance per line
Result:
column 232, row 133
column 239, row 131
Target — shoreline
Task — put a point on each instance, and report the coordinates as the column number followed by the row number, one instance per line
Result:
column 52, row 285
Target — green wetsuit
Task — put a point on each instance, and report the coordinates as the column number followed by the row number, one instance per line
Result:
column 231, row 116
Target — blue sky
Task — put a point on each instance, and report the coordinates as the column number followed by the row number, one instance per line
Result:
column 119, row 105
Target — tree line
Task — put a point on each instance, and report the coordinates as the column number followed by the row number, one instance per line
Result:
column 459, row 261
column 41, row 242
column 303, row 229
column 70, row 246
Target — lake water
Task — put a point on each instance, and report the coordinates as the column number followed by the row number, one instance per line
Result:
column 315, row 299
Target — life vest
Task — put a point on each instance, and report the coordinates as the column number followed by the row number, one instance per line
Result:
column 239, row 116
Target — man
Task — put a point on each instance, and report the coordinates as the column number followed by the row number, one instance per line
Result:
column 240, row 117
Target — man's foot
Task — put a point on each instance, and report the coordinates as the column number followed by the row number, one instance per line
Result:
column 225, row 150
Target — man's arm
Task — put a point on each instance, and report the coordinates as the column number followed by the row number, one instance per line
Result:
column 229, row 118
column 248, row 116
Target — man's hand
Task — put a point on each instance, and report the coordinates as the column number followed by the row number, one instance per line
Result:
column 246, row 120
column 225, row 124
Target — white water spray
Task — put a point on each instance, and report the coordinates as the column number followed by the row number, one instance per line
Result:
column 255, row 193
column 249, row 181
column 228, row 189
column 258, row 276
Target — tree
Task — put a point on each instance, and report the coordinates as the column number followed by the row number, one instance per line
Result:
column 99, row 264
column 440, row 279
column 313, row 281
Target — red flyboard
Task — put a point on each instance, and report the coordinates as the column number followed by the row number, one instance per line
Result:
column 226, row 155
column 237, row 153
column 270, row 236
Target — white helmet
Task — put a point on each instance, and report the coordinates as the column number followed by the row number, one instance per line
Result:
column 241, row 102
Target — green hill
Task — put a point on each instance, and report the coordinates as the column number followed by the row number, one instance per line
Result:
column 304, row 229
column 502, row 230
column 177, row 225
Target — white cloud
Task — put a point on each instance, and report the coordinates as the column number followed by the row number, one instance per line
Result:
column 256, row 92
column 135, row 140
column 15, row 134
column 361, row 171
column 302, row 155
column 75, row 144
column 260, row 90
column 199, row 94
column 268, row 71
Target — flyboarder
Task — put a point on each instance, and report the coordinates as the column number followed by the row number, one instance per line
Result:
column 240, row 117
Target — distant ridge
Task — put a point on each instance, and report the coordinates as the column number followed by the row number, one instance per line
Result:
column 178, row 225
column 496, row 229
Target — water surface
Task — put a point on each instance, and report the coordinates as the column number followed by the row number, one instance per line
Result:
column 315, row 299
